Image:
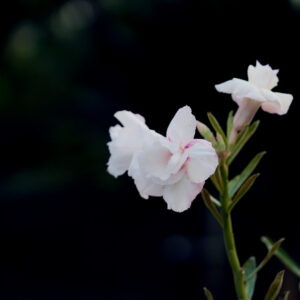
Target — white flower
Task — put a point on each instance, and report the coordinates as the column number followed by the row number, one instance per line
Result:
column 177, row 166
column 255, row 93
column 126, row 141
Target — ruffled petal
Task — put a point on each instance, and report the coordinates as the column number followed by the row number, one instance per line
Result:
column 203, row 161
column 263, row 76
column 240, row 89
column 180, row 195
column 114, row 131
column 278, row 103
column 182, row 127
column 126, row 141
column 119, row 160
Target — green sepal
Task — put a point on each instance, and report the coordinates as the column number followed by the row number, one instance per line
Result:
column 269, row 255
column 238, row 180
column 249, row 268
column 216, row 126
column 229, row 124
column 206, row 132
column 221, row 144
column 208, row 294
column 282, row 256
column 211, row 206
column 241, row 140
column 275, row 287
column 242, row 191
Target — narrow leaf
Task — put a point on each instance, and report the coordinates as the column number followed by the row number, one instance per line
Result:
column 269, row 255
column 286, row 295
column 215, row 201
column 214, row 180
column 206, row 132
column 215, row 124
column 208, row 294
column 242, row 191
column 229, row 124
column 275, row 287
column 242, row 140
column 249, row 268
column 283, row 256
column 211, row 206
column 237, row 181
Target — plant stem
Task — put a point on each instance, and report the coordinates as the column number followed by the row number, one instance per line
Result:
column 230, row 247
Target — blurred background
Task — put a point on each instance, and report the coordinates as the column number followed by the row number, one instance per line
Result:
column 69, row 230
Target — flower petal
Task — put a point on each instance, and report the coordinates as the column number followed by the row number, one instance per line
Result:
column 145, row 185
column 263, row 76
column 114, row 131
column 126, row 141
column 180, row 195
column 154, row 160
column 240, row 89
column 119, row 160
column 182, row 127
column 203, row 161
column 277, row 103
column 129, row 119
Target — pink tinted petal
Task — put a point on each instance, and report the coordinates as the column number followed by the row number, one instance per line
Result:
column 263, row 76
column 180, row 195
column 203, row 161
column 147, row 187
column 182, row 127
column 240, row 89
column 176, row 161
column 277, row 103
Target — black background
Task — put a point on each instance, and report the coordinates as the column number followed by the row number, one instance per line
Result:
column 69, row 230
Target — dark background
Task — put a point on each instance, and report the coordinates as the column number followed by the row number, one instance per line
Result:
column 69, row 230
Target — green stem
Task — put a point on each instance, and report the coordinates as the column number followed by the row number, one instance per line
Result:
column 230, row 241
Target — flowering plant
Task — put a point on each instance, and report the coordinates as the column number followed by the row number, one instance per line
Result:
column 177, row 166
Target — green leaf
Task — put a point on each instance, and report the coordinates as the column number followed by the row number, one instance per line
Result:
column 249, row 268
column 208, row 294
column 229, row 124
column 211, row 206
column 216, row 126
column 206, row 132
column 238, row 180
column 275, row 287
column 215, row 201
column 242, row 191
column 241, row 140
column 286, row 295
column 282, row 256
column 269, row 255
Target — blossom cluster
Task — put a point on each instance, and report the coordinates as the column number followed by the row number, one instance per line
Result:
column 177, row 166
column 174, row 167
